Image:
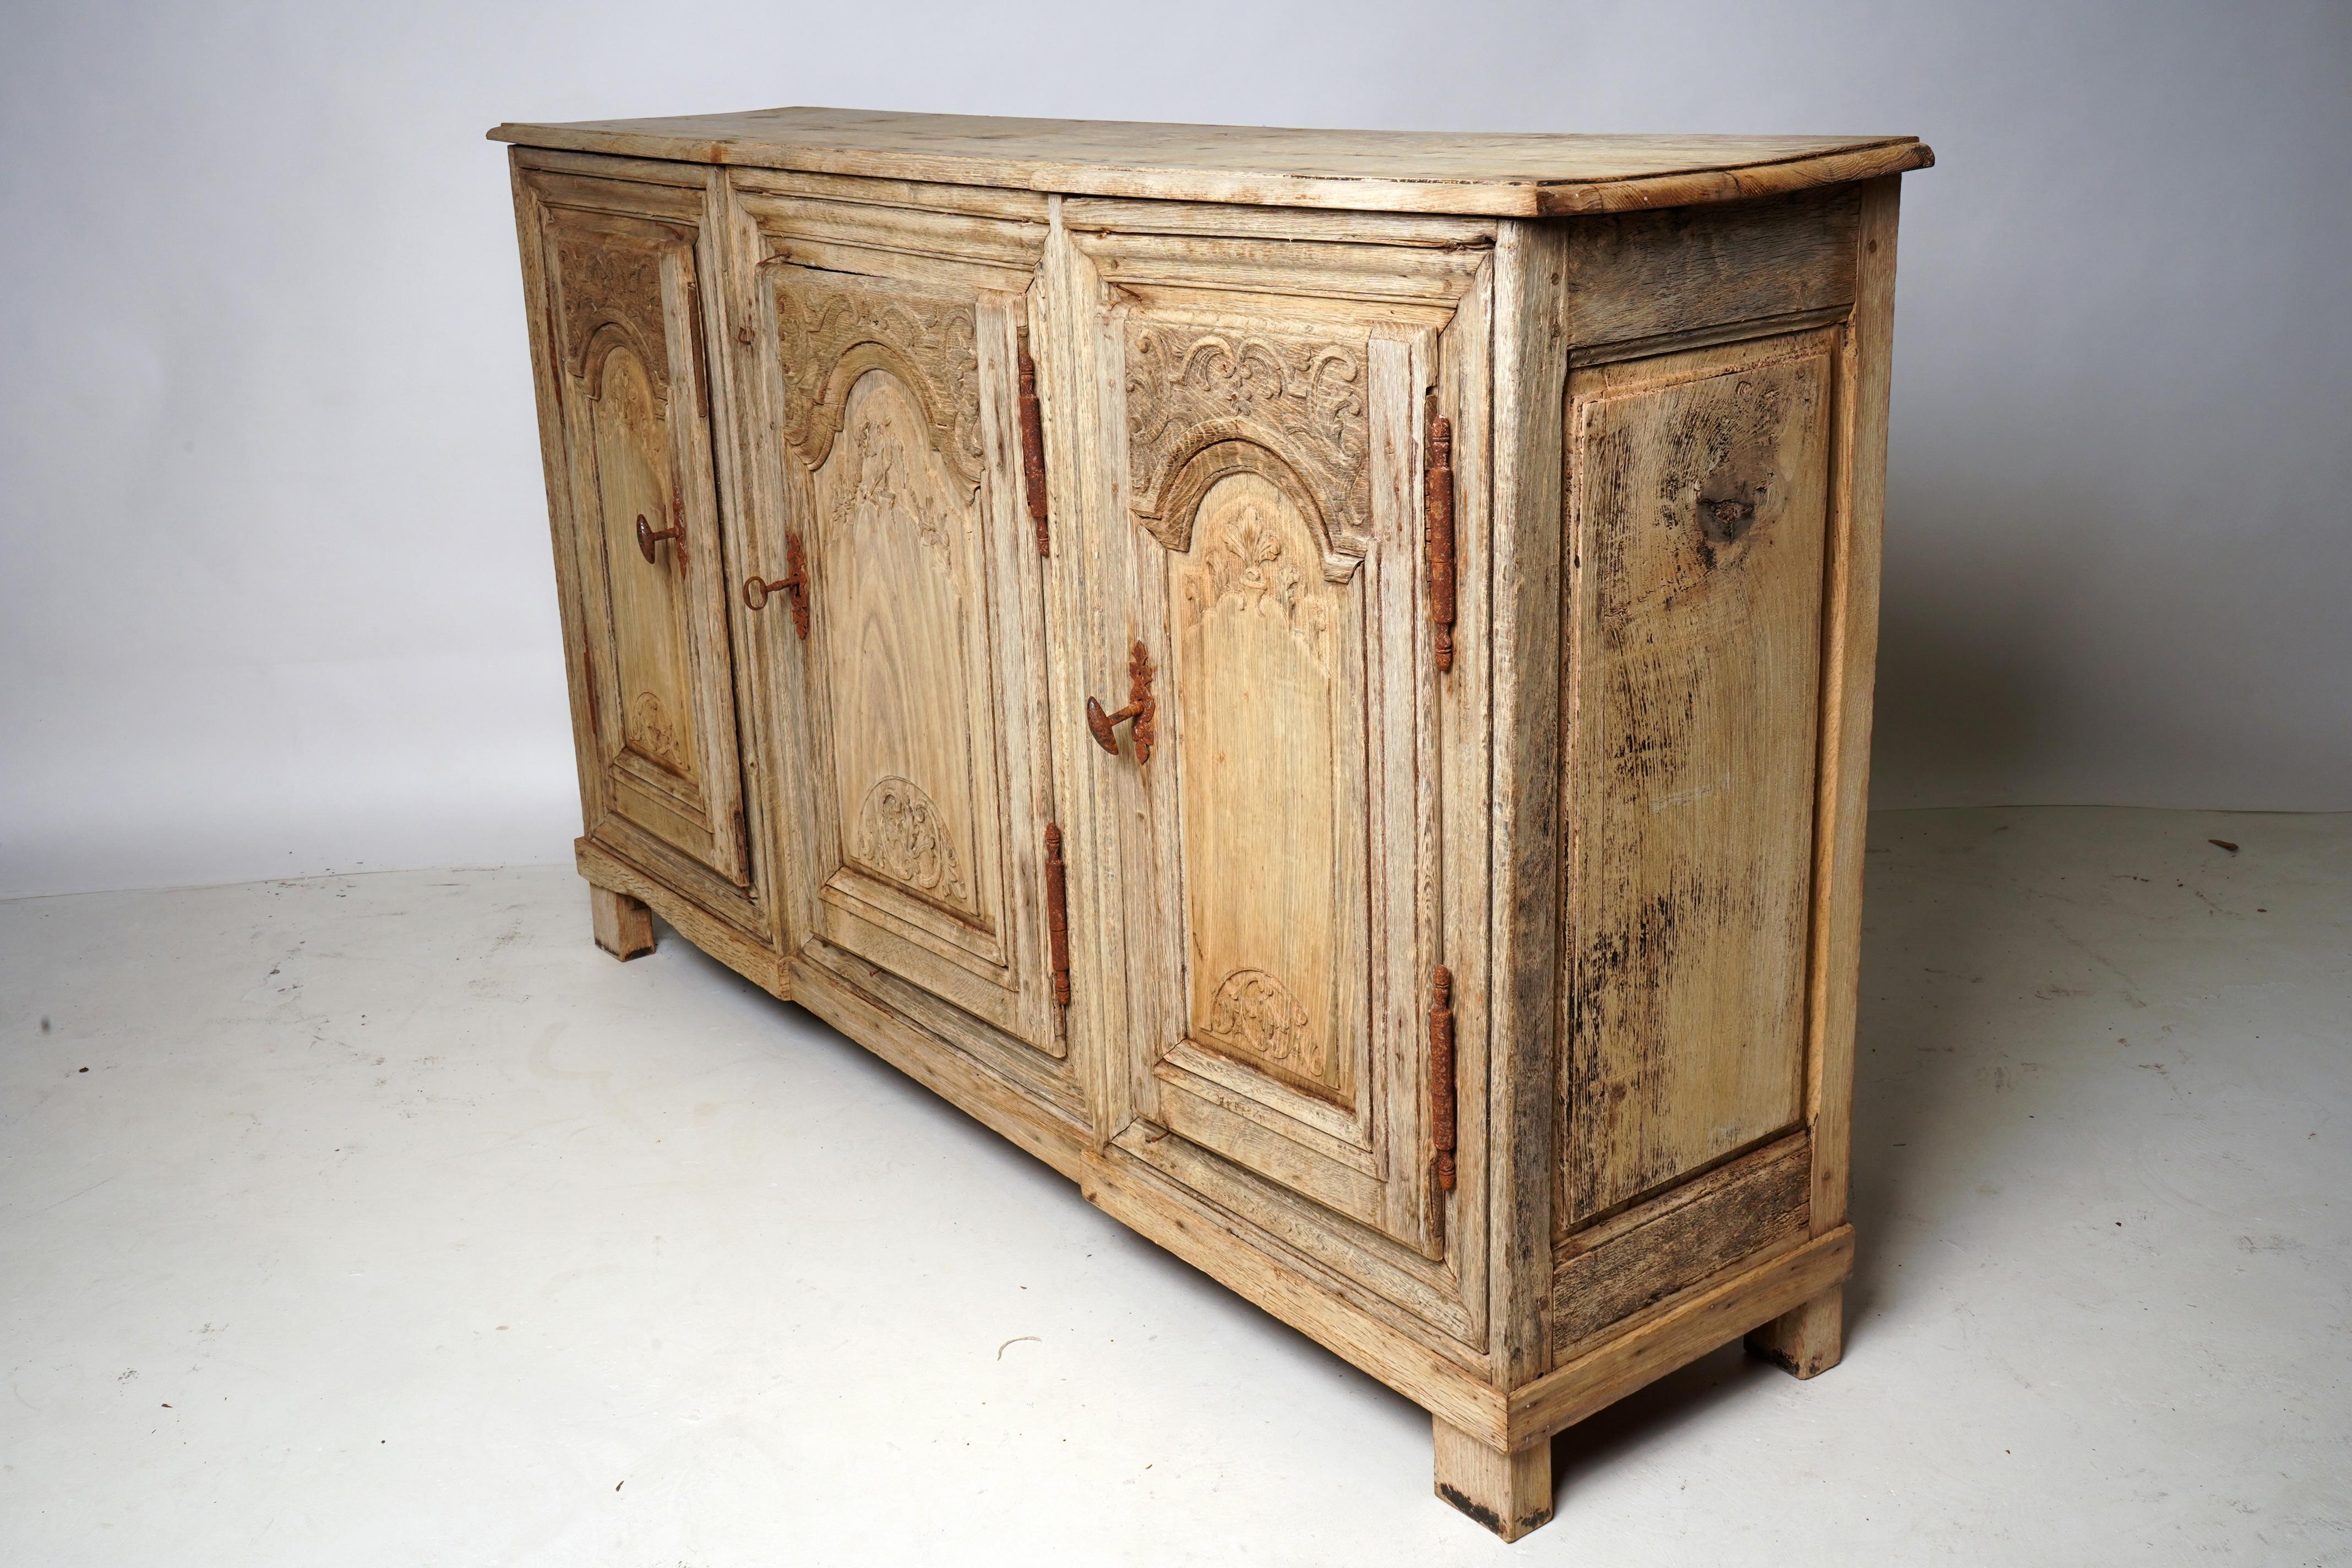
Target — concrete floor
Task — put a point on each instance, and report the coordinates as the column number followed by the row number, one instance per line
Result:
column 383, row 1220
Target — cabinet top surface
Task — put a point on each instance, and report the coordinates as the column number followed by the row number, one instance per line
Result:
column 1490, row 174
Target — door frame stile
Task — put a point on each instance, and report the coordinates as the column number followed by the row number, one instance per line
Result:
column 1524, row 569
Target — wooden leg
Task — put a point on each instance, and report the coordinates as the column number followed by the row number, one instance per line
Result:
column 1510, row 1494
column 1808, row 1340
column 625, row 927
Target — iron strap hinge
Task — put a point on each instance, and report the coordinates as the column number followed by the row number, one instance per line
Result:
column 1032, row 448
column 1437, row 537
column 1057, row 914
column 1441, row 1075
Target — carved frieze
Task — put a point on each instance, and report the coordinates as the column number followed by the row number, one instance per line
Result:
column 1301, row 395
column 831, row 330
column 609, row 283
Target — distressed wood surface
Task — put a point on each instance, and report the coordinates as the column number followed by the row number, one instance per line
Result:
column 1626, row 817
column 1644, row 283
column 1698, row 492
column 1498, row 173
column 1700, row 1319
column 747, row 955
column 1615, row 1268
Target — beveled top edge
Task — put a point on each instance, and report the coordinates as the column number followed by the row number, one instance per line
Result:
column 1467, row 172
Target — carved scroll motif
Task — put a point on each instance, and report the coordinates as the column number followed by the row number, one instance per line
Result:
column 900, row 835
column 1244, row 570
column 609, row 283
column 1300, row 396
column 655, row 734
column 832, row 331
column 1255, row 1012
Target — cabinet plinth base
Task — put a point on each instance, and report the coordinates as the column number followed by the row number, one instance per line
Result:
column 1806, row 1340
column 625, row 927
column 1509, row 1493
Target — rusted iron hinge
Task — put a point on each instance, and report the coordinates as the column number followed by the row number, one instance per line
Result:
column 1441, row 1075
column 701, row 360
column 1437, row 537
column 1033, row 449
column 1057, row 914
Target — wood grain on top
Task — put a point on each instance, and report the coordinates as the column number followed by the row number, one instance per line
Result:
column 1497, row 174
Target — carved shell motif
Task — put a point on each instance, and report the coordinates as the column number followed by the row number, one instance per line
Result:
column 607, row 282
column 1255, row 1012
column 1298, row 395
column 900, row 835
column 831, row 331
column 1246, row 570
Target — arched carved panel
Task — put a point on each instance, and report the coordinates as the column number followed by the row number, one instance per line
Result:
column 1266, row 676
column 1300, row 396
column 832, row 329
column 612, row 293
column 901, row 649
column 876, row 487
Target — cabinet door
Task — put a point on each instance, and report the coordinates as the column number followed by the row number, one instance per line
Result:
column 620, row 268
column 1274, row 813
column 888, row 344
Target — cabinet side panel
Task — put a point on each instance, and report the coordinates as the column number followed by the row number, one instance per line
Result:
column 1698, row 490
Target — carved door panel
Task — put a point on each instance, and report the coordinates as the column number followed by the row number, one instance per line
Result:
column 915, row 680
column 1275, row 814
column 624, row 314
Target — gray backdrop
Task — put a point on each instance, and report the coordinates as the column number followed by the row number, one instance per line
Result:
column 276, row 595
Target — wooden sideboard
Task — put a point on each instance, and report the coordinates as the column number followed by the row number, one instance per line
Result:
column 1318, row 683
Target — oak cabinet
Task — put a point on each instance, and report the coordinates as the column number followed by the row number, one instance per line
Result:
column 1318, row 683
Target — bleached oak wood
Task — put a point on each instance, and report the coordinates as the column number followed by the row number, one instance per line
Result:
column 1625, row 812
column 1502, row 175
column 1698, row 495
column 624, row 925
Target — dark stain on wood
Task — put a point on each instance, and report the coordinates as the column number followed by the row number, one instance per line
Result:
column 1622, row 1265
column 1654, row 274
column 1699, row 509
